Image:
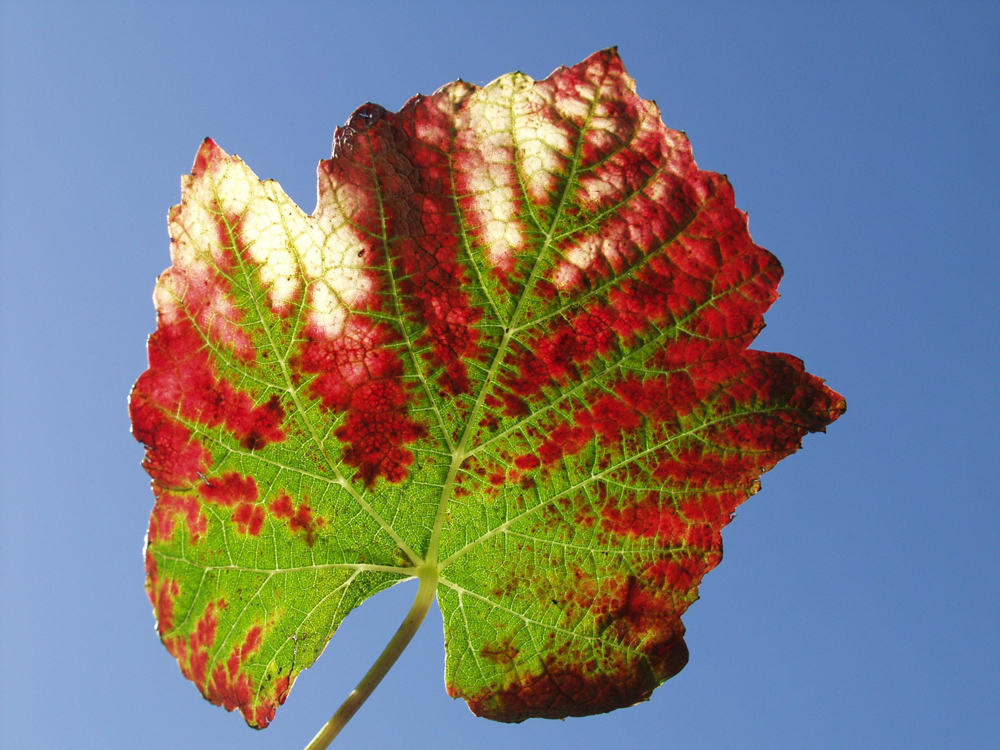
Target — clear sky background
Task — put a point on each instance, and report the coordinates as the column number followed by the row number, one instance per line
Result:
column 857, row 605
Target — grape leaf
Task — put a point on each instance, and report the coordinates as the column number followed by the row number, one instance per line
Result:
column 508, row 352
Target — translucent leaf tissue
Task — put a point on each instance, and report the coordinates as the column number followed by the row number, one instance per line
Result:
column 507, row 355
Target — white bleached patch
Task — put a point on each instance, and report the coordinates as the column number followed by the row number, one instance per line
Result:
column 168, row 295
column 657, row 191
column 576, row 108
column 582, row 255
column 566, row 276
column 336, row 264
column 431, row 132
column 485, row 169
column 597, row 190
column 291, row 252
column 328, row 312
column 544, row 149
column 191, row 288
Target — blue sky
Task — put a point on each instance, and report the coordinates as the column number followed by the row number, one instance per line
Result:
column 857, row 603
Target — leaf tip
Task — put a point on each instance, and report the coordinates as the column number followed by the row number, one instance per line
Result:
column 208, row 151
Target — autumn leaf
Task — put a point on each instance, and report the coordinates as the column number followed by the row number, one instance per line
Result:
column 506, row 355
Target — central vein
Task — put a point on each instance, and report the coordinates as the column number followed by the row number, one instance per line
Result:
column 461, row 451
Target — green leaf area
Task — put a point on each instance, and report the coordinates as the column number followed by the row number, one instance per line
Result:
column 508, row 352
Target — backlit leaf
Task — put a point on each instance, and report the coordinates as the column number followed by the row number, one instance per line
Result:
column 511, row 343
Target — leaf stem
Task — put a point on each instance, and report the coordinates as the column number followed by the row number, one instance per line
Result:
column 428, row 577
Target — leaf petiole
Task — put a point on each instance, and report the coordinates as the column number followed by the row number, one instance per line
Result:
column 428, row 576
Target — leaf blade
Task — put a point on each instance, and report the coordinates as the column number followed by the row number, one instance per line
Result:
column 511, row 343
